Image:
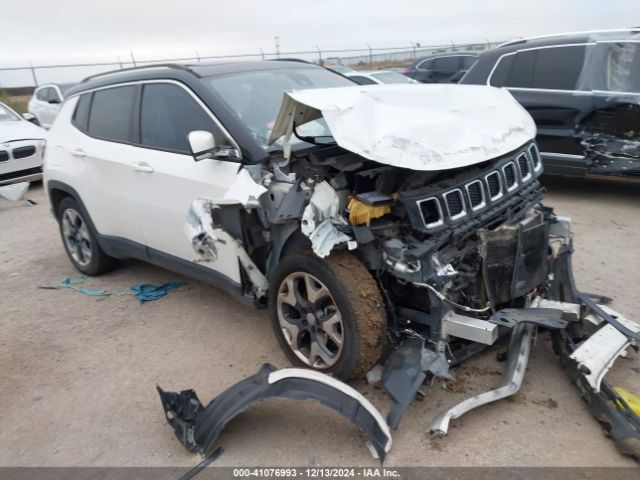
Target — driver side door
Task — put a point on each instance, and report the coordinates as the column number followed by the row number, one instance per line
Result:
column 167, row 179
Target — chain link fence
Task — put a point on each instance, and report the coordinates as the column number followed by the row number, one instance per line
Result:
column 369, row 57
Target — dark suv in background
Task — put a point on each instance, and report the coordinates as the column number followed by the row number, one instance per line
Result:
column 441, row 68
column 582, row 90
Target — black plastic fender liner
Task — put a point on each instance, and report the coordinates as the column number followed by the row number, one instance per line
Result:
column 199, row 427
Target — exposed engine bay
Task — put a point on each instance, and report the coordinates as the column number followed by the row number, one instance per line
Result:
column 463, row 252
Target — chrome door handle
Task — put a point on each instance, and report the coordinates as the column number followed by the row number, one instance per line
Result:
column 78, row 152
column 142, row 167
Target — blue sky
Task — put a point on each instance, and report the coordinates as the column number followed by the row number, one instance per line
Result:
column 71, row 31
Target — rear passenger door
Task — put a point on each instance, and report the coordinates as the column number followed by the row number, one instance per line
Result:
column 102, row 154
column 168, row 180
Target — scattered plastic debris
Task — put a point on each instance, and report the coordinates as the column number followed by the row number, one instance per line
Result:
column 14, row 192
column 148, row 292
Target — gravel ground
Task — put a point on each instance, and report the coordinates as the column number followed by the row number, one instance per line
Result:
column 78, row 373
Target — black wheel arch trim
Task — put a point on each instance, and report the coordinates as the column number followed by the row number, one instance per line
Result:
column 198, row 427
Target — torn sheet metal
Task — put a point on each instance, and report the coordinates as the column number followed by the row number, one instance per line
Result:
column 198, row 427
column 320, row 218
column 14, row 192
column 244, row 190
column 422, row 127
column 205, row 237
column 516, row 365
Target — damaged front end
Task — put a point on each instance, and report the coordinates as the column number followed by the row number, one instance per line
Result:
column 436, row 192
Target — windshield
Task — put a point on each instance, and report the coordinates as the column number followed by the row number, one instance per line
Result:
column 391, row 77
column 7, row 115
column 255, row 97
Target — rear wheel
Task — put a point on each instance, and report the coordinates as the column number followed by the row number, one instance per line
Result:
column 79, row 241
column 328, row 314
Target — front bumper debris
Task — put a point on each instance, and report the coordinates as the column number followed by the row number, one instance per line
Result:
column 198, row 427
column 586, row 363
column 519, row 349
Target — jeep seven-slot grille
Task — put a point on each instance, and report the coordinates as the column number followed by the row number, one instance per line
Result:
column 495, row 185
column 523, row 163
column 477, row 194
column 535, row 157
column 455, row 203
column 510, row 175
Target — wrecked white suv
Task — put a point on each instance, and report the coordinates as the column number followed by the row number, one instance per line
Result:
column 357, row 213
column 370, row 219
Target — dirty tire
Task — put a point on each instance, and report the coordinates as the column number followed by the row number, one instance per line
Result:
column 99, row 262
column 356, row 296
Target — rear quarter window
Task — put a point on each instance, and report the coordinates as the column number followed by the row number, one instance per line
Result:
column 80, row 117
column 111, row 114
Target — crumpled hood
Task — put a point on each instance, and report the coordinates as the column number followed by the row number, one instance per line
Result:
column 20, row 130
column 422, row 127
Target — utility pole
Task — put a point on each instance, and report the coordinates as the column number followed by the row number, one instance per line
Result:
column 33, row 74
column 133, row 59
column 277, row 40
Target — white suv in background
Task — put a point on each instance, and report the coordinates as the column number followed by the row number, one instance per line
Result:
column 46, row 100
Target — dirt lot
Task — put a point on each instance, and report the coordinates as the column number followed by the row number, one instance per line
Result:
column 78, row 373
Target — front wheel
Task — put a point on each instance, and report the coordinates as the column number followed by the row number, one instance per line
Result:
column 328, row 315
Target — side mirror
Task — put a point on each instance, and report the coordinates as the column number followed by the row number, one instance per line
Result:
column 203, row 146
column 54, row 101
column 29, row 117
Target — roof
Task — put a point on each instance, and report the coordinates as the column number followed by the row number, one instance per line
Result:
column 180, row 72
column 578, row 37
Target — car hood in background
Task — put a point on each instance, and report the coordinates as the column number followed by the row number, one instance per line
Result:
column 421, row 127
column 20, row 130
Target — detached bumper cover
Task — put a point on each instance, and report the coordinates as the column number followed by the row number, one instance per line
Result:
column 198, row 427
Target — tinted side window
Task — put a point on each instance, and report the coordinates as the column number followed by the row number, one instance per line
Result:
column 111, row 114
column 501, row 73
column 558, row 68
column 360, row 80
column 81, row 115
column 467, row 62
column 447, row 63
column 521, row 74
column 168, row 114
column 425, row 65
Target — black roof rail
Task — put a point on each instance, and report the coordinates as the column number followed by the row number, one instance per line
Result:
column 299, row 60
column 129, row 69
